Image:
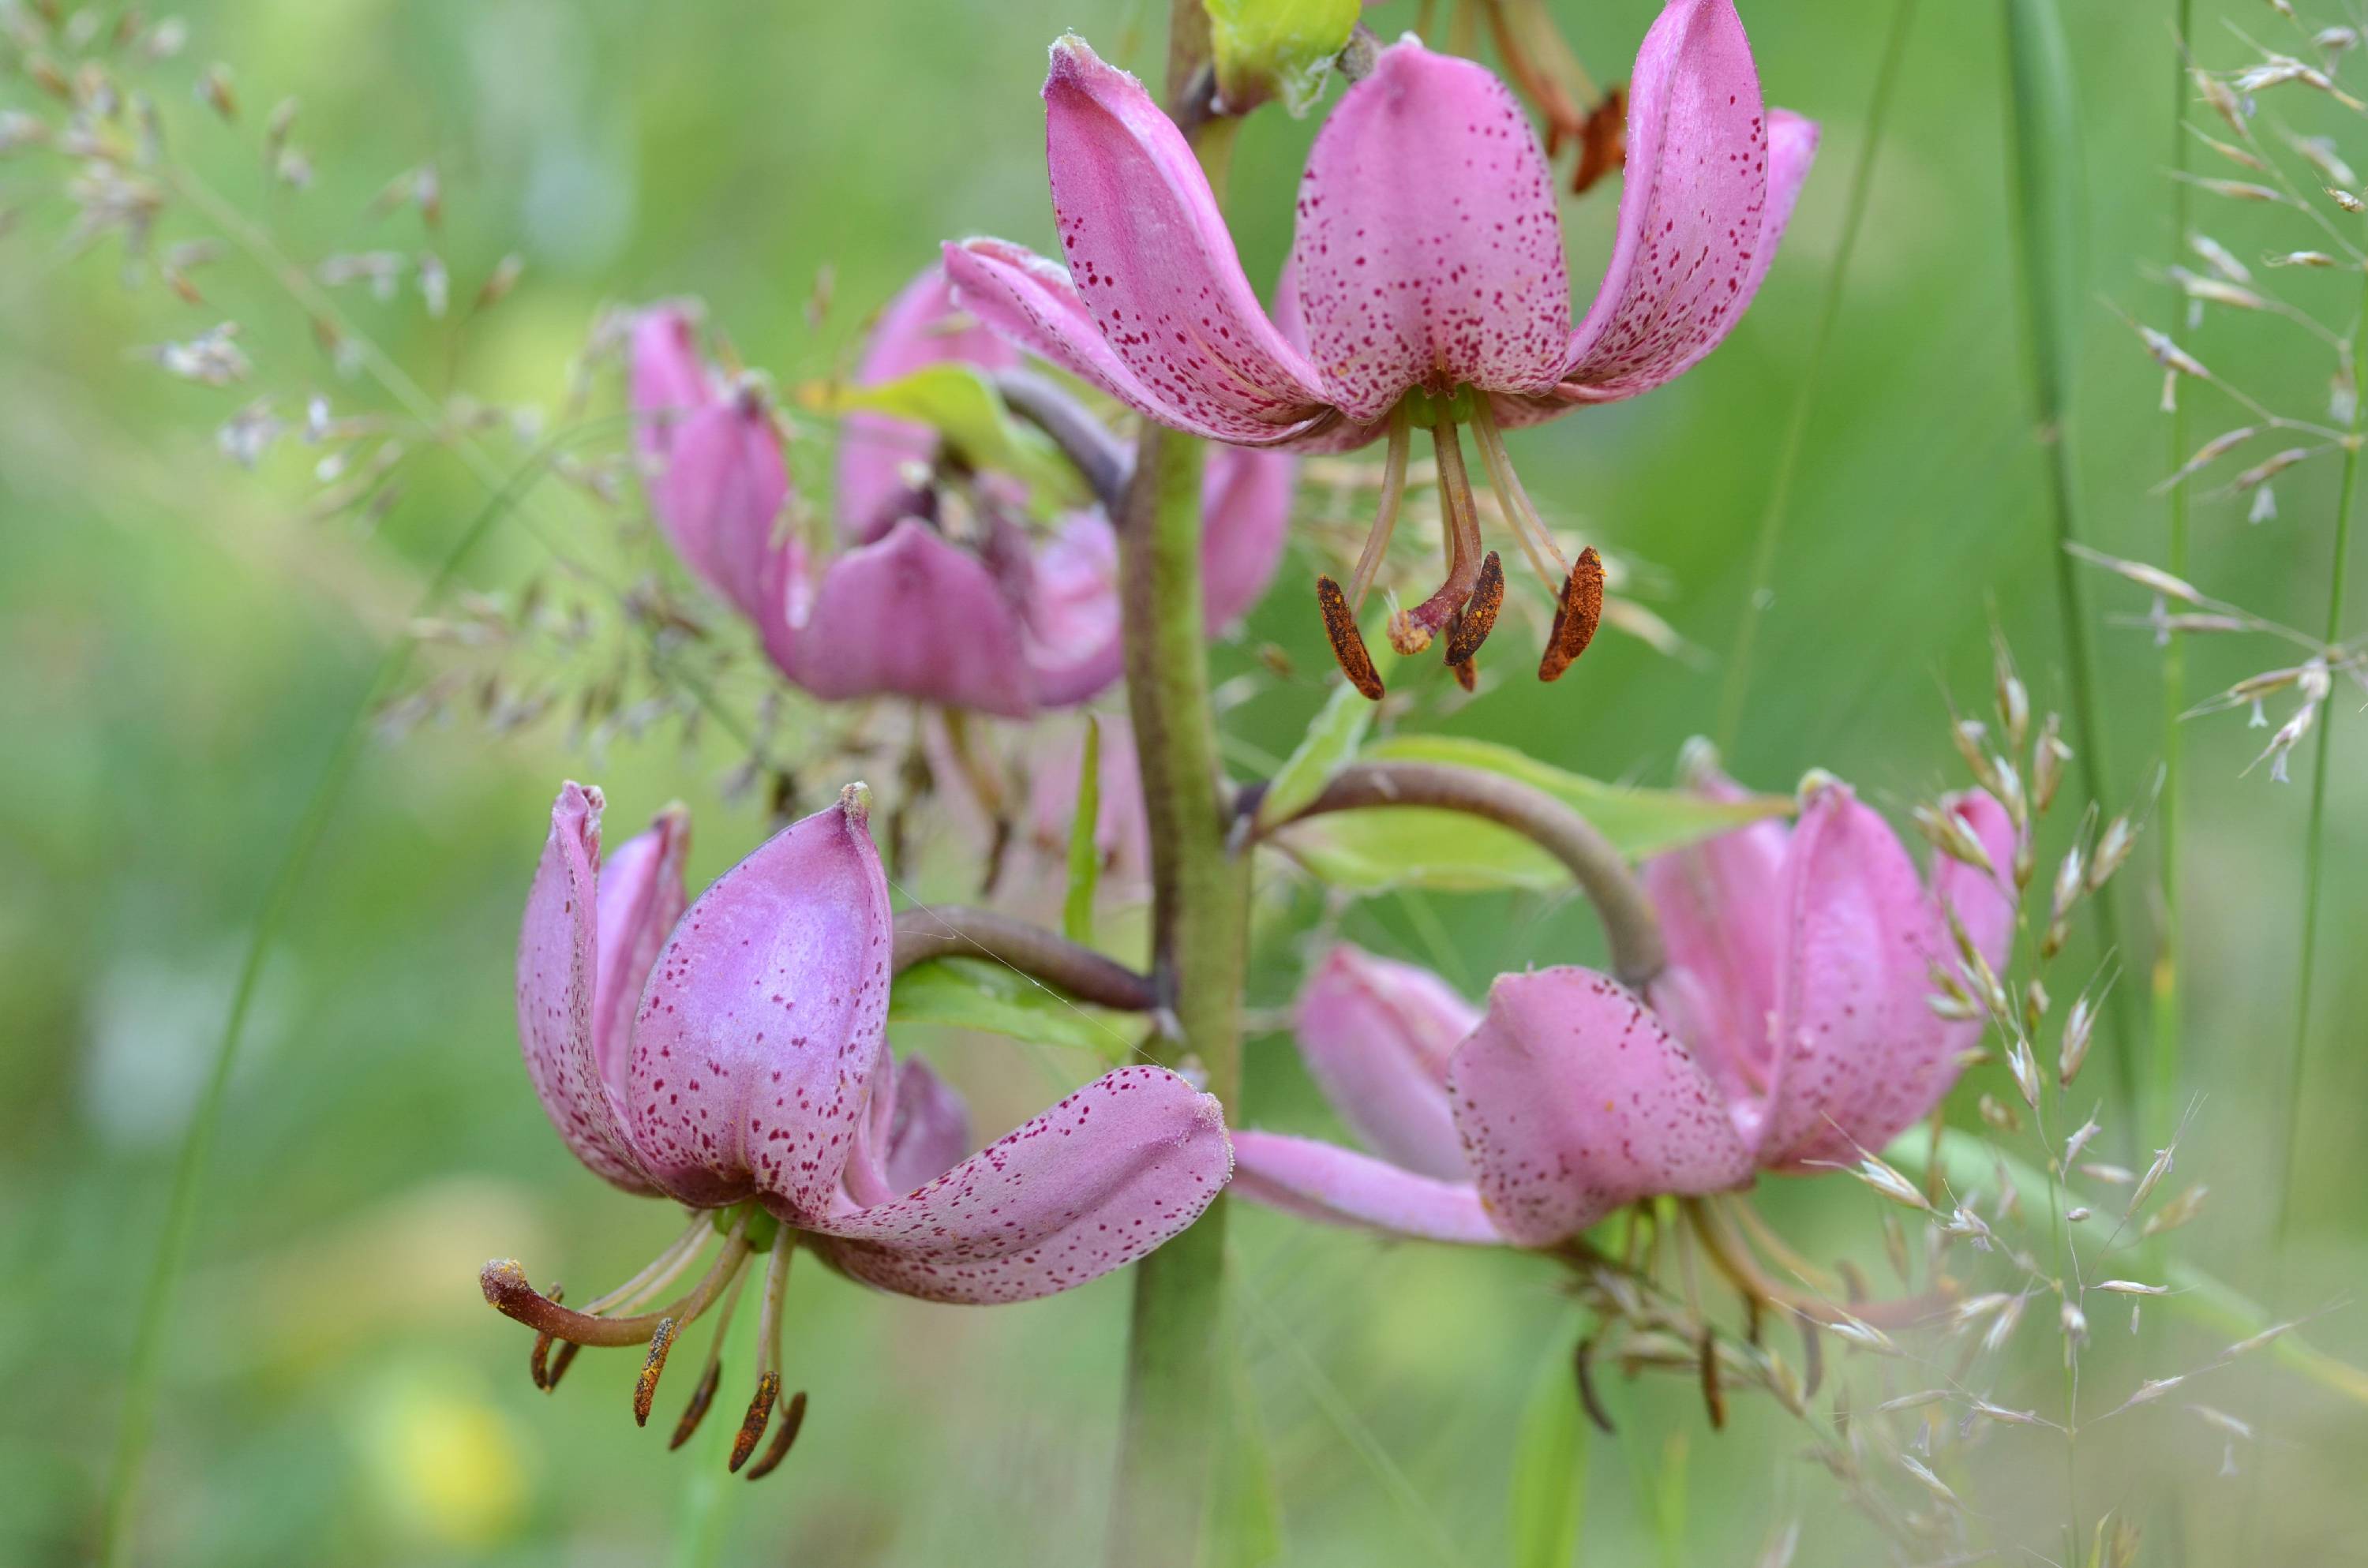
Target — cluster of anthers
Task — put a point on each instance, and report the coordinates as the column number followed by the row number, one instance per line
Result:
column 1463, row 608
column 614, row 1320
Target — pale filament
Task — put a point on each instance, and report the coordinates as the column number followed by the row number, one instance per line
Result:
column 1386, row 523
column 1520, row 513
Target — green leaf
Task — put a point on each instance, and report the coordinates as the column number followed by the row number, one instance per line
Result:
column 1085, row 842
column 972, row 994
column 1277, row 48
column 1549, row 1478
column 1243, row 1523
column 1968, row 1162
column 1376, row 850
column 1331, row 740
column 962, row 405
column 1640, row 822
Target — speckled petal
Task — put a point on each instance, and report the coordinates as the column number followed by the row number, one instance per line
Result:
column 641, row 897
column 1339, row 1187
column 669, row 379
column 1852, row 1022
column 921, row 327
column 1151, row 256
column 759, row 1032
column 719, row 492
column 1093, row 1184
column 910, row 616
column 1704, row 201
column 558, row 981
column 1033, row 303
column 1074, row 618
column 1923, row 1065
column 1429, row 252
column 1376, row 1036
column 1574, row 1099
column 1723, row 924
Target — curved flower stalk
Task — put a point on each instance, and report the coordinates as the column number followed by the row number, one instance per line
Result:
column 731, row 1056
column 940, row 589
column 1426, row 286
column 1792, row 1031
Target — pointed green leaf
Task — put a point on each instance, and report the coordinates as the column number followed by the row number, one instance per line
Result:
column 1277, row 48
column 1969, row 1163
column 1373, row 851
column 1641, row 822
column 1548, row 1470
column 974, row 993
column 1084, row 842
column 962, row 405
column 1331, row 740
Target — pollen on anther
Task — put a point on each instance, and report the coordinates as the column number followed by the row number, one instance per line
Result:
column 1348, row 642
column 1577, row 617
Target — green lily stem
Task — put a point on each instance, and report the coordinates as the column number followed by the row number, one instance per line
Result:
column 1804, row 400
column 205, row 1119
column 2313, row 863
column 1199, row 941
column 943, row 930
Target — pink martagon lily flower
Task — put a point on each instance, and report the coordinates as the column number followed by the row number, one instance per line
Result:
column 731, row 1056
column 1426, row 284
column 1007, row 624
column 1792, row 1031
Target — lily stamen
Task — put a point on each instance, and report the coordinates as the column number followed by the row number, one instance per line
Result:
column 1385, row 521
column 793, row 1418
column 507, row 1291
column 645, row 1386
column 1411, row 631
column 1513, row 501
column 712, row 1375
column 1578, row 615
column 768, row 1364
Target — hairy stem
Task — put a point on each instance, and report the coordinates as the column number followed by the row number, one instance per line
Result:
column 1629, row 926
column 205, row 1119
column 939, row 931
column 1804, row 400
column 1200, row 936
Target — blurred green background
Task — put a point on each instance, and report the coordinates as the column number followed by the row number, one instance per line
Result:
column 180, row 645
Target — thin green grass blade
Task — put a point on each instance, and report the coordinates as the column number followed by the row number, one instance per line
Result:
column 205, row 1120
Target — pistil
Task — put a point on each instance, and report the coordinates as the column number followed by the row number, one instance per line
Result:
column 1411, row 631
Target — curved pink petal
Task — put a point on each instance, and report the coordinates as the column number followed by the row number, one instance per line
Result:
column 1245, row 505
column 1034, row 303
column 1706, row 196
column 912, row 616
column 930, row 1132
column 1923, row 1066
column 1574, row 1099
column 1856, row 1041
column 1723, row 920
column 921, row 327
column 668, row 379
column 1376, row 1036
column 758, row 1032
column 1429, row 252
column 719, row 492
column 1150, row 255
column 1340, row 1187
column 641, row 897
column 558, row 984
column 1101, row 1179
column 1245, row 501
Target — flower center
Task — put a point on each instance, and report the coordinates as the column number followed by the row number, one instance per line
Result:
column 1465, row 603
column 613, row 1320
